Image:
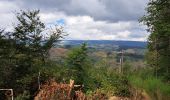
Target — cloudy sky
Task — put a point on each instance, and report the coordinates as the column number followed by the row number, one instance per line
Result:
column 84, row 19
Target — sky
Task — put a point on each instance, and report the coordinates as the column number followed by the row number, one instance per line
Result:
column 84, row 19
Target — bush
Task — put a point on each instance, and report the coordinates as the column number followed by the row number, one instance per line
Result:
column 108, row 81
column 24, row 96
column 122, row 86
column 153, row 86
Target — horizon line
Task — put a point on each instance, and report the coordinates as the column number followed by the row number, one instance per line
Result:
column 100, row 40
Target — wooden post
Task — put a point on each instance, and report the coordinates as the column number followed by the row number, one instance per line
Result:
column 121, row 62
column 71, row 87
column 39, row 80
column 120, row 70
column 156, row 67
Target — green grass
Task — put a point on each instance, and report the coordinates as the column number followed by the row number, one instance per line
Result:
column 151, row 85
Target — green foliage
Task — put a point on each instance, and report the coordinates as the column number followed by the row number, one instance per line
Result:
column 75, row 61
column 24, row 96
column 24, row 51
column 97, row 95
column 127, row 68
column 158, row 21
column 122, row 86
column 77, row 56
column 150, row 84
column 106, row 80
column 94, row 76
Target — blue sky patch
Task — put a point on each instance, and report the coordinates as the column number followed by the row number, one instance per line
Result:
column 60, row 22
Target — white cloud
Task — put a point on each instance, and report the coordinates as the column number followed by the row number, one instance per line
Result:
column 85, row 27
column 82, row 26
column 7, row 16
column 51, row 17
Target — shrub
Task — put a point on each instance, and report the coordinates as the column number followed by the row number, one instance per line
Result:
column 24, row 96
column 153, row 86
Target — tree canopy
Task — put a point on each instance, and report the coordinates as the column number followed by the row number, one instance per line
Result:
column 158, row 21
column 24, row 50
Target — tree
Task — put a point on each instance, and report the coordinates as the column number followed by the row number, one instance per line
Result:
column 158, row 21
column 30, row 38
column 24, row 50
column 75, row 61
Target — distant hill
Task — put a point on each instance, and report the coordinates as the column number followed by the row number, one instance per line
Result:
column 106, row 43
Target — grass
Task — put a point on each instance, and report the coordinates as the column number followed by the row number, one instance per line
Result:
column 153, row 86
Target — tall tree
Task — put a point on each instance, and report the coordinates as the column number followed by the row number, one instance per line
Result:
column 25, row 48
column 158, row 21
column 75, row 61
column 30, row 36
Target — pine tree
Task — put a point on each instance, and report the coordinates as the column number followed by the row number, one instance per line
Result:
column 158, row 21
column 24, row 50
column 75, row 61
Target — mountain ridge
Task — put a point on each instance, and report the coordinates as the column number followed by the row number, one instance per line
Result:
column 120, row 43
